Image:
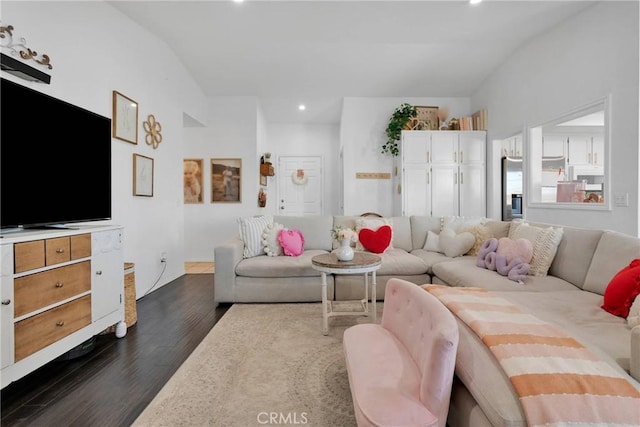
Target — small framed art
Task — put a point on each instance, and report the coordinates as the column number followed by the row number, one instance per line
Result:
column 427, row 118
column 192, row 181
column 142, row 175
column 125, row 118
column 226, row 180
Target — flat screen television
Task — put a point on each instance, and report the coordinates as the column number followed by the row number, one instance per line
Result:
column 55, row 161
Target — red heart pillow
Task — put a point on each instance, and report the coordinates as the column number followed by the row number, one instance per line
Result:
column 622, row 290
column 375, row 241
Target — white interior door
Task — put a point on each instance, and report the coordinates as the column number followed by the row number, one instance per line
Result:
column 300, row 189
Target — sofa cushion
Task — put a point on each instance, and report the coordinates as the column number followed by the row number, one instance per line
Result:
column 420, row 225
column 373, row 224
column 498, row 229
column 251, row 229
column 316, row 229
column 433, row 242
column 398, row 262
column 463, row 271
column 622, row 290
column 402, row 233
column 545, row 244
column 430, row 258
column 574, row 254
column 282, row 266
column 455, row 244
column 375, row 241
column 480, row 233
column 270, row 243
column 292, row 241
column 614, row 251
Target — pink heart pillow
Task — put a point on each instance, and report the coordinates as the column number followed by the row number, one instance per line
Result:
column 512, row 248
column 292, row 242
column 375, row 241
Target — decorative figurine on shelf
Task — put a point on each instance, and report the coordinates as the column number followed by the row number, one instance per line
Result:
column 454, row 124
column 443, row 113
column 262, row 198
column 267, row 157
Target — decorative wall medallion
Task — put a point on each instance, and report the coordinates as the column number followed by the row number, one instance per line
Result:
column 153, row 129
column 19, row 47
column 299, row 178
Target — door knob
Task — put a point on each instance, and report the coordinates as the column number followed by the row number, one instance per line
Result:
column 281, row 207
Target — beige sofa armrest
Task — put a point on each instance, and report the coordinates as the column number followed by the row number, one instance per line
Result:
column 227, row 255
column 634, row 362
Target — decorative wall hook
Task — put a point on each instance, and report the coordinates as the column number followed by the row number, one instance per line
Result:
column 19, row 47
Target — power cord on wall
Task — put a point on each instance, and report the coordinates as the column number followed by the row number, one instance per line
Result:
column 164, row 267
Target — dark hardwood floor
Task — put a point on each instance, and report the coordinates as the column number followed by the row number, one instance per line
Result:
column 112, row 384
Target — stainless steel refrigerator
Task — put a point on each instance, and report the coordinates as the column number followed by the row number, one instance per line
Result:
column 512, row 184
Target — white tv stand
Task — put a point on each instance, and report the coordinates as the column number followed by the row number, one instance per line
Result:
column 58, row 288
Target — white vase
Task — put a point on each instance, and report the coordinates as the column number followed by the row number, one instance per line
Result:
column 344, row 252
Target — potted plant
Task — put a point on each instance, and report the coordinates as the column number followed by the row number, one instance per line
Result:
column 396, row 124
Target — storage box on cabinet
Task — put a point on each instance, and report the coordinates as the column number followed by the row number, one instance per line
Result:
column 40, row 290
column 37, row 332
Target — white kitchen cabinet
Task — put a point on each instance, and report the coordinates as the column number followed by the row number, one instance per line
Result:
column 442, row 173
column 513, row 147
column 553, row 145
column 585, row 150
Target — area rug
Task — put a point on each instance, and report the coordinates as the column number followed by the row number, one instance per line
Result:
column 262, row 364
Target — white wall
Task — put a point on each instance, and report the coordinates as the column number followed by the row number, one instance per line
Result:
column 231, row 132
column 583, row 59
column 92, row 53
column 362, row 134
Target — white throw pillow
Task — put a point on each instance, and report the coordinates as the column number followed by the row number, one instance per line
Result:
column 633, row 319
column 433, row 242
column 372, row 224
column 251, row 229
column 455, row 245
column 545, row 244
column 270, row 243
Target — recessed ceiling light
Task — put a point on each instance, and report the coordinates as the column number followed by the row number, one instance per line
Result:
column 302, row 107
column 474, row 1
column 238, row 1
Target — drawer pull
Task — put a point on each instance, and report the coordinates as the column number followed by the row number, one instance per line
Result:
column 6, row 301
column 99, row 273
column 59, row 285
column 60, row 323
column 59, row 251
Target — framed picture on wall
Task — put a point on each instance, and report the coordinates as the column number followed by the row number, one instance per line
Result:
column 142, row 175
column 124, row 122
column 226, row 180
column 193, row 181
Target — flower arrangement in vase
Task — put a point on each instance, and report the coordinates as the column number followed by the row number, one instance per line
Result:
column 345, row 236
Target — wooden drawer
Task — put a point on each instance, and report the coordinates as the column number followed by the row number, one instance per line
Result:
column 81, row 246
column 57, row 250
column 28, row 256
column 48, row 287
column 37, row 332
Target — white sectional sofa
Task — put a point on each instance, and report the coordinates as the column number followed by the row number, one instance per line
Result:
column 569, row 296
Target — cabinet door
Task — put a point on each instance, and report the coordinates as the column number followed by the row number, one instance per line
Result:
column 472, row 190
column 579, row 150
column 444, row 147
column 416, row 189
column 471, row 148
column 107, row 268
column 414, row 147
column 553, row 145
column 597, row 151
column 444, row 190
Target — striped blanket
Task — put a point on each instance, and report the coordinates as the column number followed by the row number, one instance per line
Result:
column 559, row 381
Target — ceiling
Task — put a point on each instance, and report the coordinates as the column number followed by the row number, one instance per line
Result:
column 317, row 52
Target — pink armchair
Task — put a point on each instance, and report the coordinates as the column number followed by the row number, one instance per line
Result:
column 401, row 371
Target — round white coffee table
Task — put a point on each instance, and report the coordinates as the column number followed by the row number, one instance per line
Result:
column 362, row 263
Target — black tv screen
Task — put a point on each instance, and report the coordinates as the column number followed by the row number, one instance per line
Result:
column 55, row 160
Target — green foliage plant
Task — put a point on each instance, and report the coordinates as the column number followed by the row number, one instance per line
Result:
column 397, row 122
